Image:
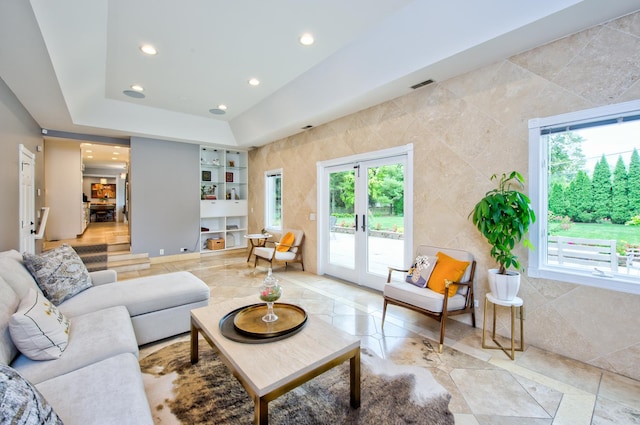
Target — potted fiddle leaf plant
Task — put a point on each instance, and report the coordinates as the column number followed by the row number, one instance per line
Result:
column 503, row 217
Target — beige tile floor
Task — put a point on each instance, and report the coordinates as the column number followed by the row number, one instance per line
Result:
column 487, row 388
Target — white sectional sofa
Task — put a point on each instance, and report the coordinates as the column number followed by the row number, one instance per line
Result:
column 97, row 379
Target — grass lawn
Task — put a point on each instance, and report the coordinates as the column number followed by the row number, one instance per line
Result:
column 378, row 223
column 621, row 233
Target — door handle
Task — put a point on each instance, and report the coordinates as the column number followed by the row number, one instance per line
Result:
column 364, row 226
column 356, row 216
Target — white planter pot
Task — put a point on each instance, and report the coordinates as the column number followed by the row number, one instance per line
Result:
column 504, row 286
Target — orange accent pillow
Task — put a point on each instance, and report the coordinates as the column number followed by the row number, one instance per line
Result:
column 446, row 268
column 286, row 241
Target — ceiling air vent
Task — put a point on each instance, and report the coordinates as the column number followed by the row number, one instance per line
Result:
column 307, row 127
column 422, row 84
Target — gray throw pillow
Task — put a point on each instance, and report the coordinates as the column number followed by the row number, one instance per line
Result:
column 21, row 402
column 60, row 273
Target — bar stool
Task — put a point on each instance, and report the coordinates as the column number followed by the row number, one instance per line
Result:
column 515, row 303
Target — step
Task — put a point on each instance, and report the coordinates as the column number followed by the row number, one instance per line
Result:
column 123, row 246
column 129, row 265
column 126, row 255
column 125, row 261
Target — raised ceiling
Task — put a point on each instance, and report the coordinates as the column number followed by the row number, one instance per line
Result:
column 68, row 62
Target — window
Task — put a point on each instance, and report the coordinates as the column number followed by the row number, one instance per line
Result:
column 273, row 200
column 585, row 188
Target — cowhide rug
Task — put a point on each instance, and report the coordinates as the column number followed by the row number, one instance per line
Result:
column 207, row 393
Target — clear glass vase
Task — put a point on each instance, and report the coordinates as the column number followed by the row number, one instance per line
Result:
column 270, row 292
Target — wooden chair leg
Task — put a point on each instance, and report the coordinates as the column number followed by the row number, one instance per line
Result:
column 384, row 312
column 443, row 324
column 473, row 315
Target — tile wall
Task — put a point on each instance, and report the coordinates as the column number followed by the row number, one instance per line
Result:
column 463, row 130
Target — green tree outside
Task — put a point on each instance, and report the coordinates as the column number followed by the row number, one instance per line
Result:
column 601, row 185
column 619, row 196
column 633, row 184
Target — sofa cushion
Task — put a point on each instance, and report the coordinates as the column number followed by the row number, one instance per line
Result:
column 21, row 402
column 422, row 297
column 141, row 295
column 9, row 302
column 93, row 337
column 109, row 392
column 13, row 271
column 60, row 273
column 38, row 329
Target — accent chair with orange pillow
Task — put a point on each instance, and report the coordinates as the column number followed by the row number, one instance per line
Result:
column 287, row 251
column 452, row 265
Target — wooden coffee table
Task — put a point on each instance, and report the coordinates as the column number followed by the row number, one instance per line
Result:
column 269, row 370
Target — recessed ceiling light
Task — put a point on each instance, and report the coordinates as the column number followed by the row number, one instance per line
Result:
column 134, row 94
column 148, row 49
column 89, row 156
column 222, row 107
column 116, row 153
column 87, row 144
column 306, row 39
column 217, row 111
column 137, row 87
column 116, row 147
column 113, row 157
column 88, row 151
column 254, row 82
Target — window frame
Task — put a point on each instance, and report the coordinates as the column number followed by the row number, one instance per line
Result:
column 269, row 199
column 538, row 184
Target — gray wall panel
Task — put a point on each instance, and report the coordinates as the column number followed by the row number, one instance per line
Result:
column 165, row 193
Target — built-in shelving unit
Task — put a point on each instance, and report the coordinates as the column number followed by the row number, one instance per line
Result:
column 223, row 204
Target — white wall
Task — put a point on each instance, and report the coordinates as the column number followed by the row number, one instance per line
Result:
column 16, row 127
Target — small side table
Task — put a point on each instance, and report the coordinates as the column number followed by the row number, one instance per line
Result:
column 256, row 239
column 515, row 303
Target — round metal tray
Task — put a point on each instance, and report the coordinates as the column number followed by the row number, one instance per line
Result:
column 253, row 330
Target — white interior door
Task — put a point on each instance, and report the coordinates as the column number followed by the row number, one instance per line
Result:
column 27, row 200
column 365, row 209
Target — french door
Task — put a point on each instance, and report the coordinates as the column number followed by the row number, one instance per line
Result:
column 365, row 205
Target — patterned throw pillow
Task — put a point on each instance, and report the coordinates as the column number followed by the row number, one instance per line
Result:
column 60, row 273
column 421, row 270
column 38, row 328
column 21, row 402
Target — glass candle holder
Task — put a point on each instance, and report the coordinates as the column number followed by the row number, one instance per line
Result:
column 270, row 292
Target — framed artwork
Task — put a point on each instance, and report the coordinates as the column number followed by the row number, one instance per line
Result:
column 99, row 190
column 229, row 177
column 206, row 176
column 232, row 163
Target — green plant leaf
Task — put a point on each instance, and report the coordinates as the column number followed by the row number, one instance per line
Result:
column 503, row 217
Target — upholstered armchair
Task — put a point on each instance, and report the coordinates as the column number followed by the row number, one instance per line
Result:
column 282, row 251
column 429, row 301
